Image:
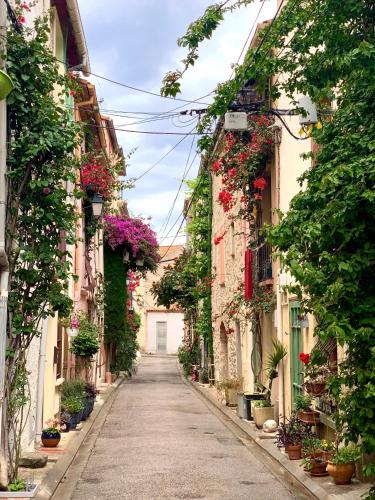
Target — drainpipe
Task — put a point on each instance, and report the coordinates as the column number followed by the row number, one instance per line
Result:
column 279, row 322
column 41, row 376
column 79, row 36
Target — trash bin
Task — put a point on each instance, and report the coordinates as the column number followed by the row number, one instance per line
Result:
column 240, row 405
column 248, row 397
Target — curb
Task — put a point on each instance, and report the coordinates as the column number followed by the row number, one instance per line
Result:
column 55, row 476
column 279, row 464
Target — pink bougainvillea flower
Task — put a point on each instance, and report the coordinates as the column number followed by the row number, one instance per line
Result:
column 46, row 190
column 72, row 93
column 25, row 6
column 216, row 166
column 21, row 19
column 232, row 172
column 74, row 323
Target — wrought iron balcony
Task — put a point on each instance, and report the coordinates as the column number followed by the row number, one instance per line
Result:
column 264, row 262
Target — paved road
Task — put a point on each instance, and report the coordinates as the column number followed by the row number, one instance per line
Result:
column 161, row 441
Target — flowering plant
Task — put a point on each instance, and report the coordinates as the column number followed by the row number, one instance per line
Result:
column 313, row 368
column 99, row 178
column 242, row 158
column 53, row 427
column 134, row 236
column 263, row 299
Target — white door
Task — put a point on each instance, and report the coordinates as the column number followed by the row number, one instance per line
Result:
column 161, row 337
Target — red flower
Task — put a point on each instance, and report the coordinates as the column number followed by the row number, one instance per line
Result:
column 25, row 6
column 258, row 196
column 232, row 172
column 305, row 358
column 216, row 166
column 260, row 183
column 72, row 93
column 21, row 19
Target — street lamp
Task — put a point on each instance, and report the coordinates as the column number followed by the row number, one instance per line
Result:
column 97, row 205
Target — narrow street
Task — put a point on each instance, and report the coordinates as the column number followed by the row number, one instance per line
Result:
column 160, row 440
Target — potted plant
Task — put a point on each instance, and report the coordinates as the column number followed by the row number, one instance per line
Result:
column 313, row 456
column 51, row 434
column 316, row 371
column 341, row 466
column 73, row 406
column 230, row 387
column 263, row 409
column 306, row 414
column 316, row 466
column 89, row 399
column 290, row 435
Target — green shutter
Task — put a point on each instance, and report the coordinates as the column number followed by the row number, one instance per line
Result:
column 296, row 347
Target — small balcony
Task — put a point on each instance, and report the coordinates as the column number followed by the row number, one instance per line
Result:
column 264, row 261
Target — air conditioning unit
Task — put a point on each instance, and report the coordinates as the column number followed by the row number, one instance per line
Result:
column 311, row 115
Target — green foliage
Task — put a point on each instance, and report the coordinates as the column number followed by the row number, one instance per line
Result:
column 229, row 383
column 188, row 356
column 346, row 454
column 178, row 285
column 17, row 485
column 278, row 354
column 72, row 404
column 74, row 387
column 302, row 402
column 86, row 344
column 42, row 139
column 327, row 237
column 120, row 326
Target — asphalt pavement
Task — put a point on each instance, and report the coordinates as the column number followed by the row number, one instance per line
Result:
column 160, row 441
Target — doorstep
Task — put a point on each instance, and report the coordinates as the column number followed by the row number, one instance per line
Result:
column 321, row 488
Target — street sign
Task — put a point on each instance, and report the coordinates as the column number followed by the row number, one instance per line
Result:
column 235, row 121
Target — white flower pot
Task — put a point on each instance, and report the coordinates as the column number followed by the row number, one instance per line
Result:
column 72, row 332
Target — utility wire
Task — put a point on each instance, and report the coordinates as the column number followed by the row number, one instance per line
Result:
column 162, row 158
column 184, row 175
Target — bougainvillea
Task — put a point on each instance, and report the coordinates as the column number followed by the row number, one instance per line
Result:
column 134, row 236
column 242, row 160
column 98, row 178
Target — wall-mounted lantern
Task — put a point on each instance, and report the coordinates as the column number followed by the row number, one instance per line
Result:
column 311, row 115
column 97, row 205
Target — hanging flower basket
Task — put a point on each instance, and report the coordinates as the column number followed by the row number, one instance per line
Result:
column 315, row 388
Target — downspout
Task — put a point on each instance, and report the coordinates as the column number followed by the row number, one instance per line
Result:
column 279, row 322
column 41, row 377
column 210, row 344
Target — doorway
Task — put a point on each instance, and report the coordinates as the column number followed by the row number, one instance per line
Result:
column 161, row 337
column 223, row 352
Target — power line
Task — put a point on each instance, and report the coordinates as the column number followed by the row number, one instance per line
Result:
column 162, row 158
column 186, row 171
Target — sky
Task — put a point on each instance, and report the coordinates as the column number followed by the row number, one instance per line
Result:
column 134, row 42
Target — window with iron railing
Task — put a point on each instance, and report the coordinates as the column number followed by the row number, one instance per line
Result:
column 263, row 260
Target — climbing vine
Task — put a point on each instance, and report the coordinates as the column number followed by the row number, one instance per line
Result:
column 324, row 49
column 41, row 166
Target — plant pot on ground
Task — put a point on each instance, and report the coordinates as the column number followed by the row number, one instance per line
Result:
column 316, row 466
column 263, row 410
column 290, row 435
column 304, row 411
column 51, row 434
column 230, row 386
column 341, row 467
column 73, row 406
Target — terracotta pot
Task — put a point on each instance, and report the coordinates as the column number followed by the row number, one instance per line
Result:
column 315, row 388
column 294, row 451
column 261, row 414
column 308, row 416
column 318, row 469
column 341, row 473
column 50, row 442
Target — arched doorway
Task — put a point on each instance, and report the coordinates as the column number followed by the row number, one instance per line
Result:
column 223, row 352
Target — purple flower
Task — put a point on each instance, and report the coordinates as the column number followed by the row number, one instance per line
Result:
column 74, row 323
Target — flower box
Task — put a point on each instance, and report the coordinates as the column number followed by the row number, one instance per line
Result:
column 32, row 491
